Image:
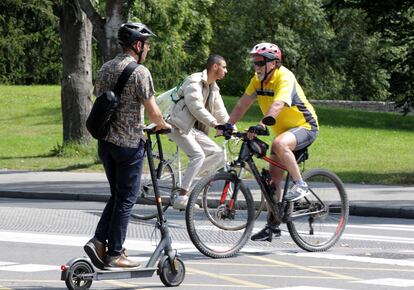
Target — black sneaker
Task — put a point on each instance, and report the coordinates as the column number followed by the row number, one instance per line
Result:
column 267, row 234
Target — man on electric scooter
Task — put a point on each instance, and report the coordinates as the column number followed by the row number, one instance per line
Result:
column 122, row 150
column 279, row 96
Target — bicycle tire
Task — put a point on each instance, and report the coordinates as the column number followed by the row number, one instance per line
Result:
column 318, row 220
column 226, row 234
column 145, row 208
column 260, row 206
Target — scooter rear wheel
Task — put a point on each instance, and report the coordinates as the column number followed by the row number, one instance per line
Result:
column 171, row 274
column 75, row 279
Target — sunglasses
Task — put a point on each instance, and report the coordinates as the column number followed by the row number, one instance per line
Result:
column 260, row 63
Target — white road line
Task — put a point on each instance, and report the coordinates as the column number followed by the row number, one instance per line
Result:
column 392, row 239
column 372, row 260
column 29, row 268
column 403, row 283
column 360, row 237
column 6, row 263
column 387, row 227
column 304, row 288
column 79, row 241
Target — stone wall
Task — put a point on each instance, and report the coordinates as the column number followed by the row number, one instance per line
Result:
column 359, row 105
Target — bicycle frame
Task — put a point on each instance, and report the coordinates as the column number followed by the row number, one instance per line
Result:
column 176, row 156
column 246, row 157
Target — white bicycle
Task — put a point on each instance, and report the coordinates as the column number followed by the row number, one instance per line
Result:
column 169, row 173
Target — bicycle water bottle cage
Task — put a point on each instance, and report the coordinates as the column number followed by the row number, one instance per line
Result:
column 258, row 147
column 266, row 178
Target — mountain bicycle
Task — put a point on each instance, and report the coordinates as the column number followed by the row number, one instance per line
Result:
column 224, row 220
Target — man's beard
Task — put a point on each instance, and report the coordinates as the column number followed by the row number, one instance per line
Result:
column 261, row 76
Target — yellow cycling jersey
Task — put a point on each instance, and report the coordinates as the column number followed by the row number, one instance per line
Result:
column 283, row 86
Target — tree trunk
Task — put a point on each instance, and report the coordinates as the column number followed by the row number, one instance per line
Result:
column 105, row 30
column 117, row 13
column 76, row 91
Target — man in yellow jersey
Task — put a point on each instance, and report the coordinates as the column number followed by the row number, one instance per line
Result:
column 279, row 96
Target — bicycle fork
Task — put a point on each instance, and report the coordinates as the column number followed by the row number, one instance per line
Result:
column 233, row 198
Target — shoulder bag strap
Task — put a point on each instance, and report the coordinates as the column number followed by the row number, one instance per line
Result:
column 123, row 78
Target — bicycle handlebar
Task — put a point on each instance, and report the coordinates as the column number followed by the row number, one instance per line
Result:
column 238, row 134
column 152, row 129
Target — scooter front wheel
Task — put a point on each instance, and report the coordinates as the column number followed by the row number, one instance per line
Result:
column 79, row 276
column 171, row 272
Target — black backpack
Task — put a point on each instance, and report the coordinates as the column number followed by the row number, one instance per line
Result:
column 105, row 105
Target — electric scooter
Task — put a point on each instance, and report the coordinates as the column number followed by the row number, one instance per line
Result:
column 78, row 273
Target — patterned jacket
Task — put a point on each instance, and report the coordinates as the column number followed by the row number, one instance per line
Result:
column 126, row 128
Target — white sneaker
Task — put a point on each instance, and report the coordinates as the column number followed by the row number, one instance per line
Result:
column 297, row 192
column 181, row 202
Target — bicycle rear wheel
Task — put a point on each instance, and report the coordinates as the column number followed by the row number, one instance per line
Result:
column 145, row 207
column 222, row 225
column 318, row 220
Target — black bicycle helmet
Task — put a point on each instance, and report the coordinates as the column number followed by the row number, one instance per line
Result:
column 130, row 32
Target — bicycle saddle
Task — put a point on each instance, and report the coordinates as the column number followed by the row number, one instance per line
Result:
column 301, row 154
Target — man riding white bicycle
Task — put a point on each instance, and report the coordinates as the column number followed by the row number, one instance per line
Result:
column 199, row 108
column 279, row 96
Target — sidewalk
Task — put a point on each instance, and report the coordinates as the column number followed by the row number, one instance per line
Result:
column 365, row 200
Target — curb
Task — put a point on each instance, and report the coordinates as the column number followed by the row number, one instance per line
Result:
column 406, row 212
column 55, row 196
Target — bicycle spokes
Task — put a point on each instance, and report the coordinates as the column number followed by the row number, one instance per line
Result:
column 318, row 220
column 223, row 223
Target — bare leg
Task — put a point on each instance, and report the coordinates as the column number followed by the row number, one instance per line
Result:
column 283, row 146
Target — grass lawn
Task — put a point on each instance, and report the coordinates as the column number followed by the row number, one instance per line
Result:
column 361, row 147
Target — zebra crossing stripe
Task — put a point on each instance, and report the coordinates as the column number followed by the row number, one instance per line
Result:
column 14, row 267
column 403, row 283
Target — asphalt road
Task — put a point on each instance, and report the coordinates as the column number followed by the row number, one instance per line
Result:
column 37, row 236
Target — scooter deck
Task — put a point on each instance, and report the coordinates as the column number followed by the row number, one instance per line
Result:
column 129, row 273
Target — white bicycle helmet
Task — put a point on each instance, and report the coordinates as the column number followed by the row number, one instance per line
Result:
column 268, row 50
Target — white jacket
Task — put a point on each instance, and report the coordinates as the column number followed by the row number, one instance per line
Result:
column 198, row 102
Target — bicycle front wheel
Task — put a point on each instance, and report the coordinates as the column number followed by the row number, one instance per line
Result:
column 259, row 200
column 219, row 222
column 318, row 220
column 146, row 207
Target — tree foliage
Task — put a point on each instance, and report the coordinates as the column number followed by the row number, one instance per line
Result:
column 331, row 60
column 29, row 42
column 183, row 32
column 393, row 23
column 339, row 49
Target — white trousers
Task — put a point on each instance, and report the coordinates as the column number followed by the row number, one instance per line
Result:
column 204, row 155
